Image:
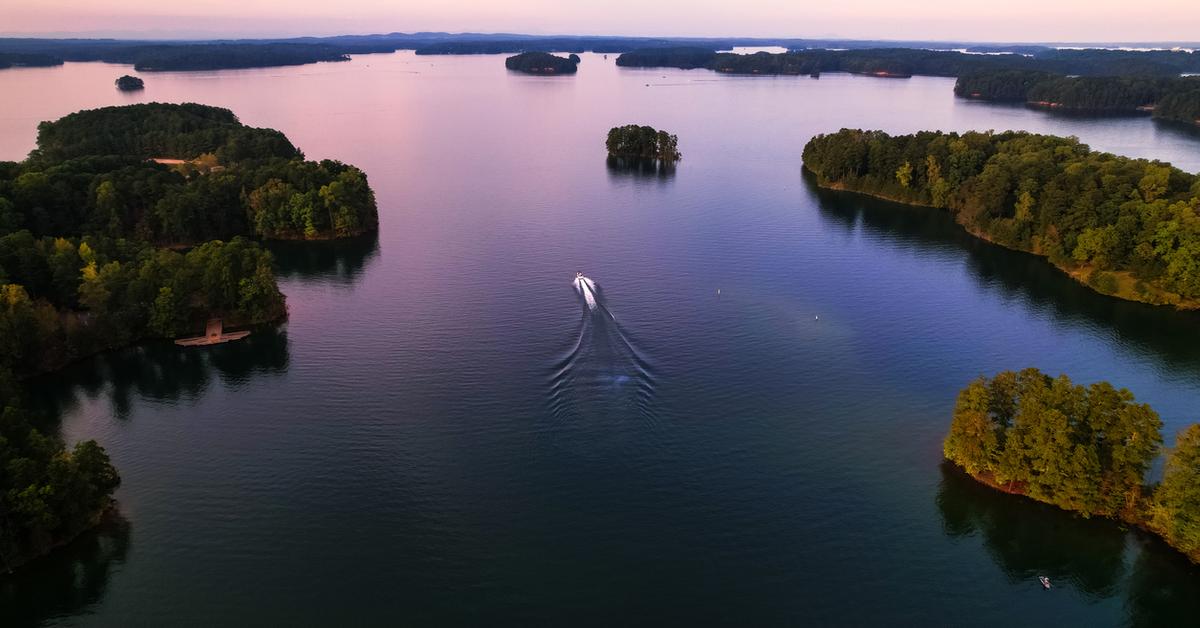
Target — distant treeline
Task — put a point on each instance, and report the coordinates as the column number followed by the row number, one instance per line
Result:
column 542, row 63
column 16, row 59
column 922, row 57
column 1176, row 99
column 914, row 61
column 1083, row 449
column 1127, row 227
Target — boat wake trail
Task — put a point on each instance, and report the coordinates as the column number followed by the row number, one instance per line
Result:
column 604, row 375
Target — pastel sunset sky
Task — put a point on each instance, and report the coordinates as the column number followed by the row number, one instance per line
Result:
column 963, row 20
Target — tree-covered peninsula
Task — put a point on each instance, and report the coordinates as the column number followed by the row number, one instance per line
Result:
column 1127, row 227
column 900, row 62
column 128, row 223
column 94, row 172
column 542, row 63
column 1176, row 99
column 1085, row 449
column 642, row 142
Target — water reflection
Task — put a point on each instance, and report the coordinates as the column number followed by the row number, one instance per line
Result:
column 622, row 167
column 68, row 580
column 1164, row 587
column 1027, row 539
column 1167, row 332
column 337, row 261
column 1179, row 129
column 160, row 371
column 1024, row 538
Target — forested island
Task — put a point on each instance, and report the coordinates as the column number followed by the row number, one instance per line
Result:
column 130, row 83
column 642, row 142
column 542, row 63
column 1176, row 99
column 1083, row 449
column 101, row 245
column 1126, row 227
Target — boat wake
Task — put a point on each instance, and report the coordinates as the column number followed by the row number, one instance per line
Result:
column 604, row 374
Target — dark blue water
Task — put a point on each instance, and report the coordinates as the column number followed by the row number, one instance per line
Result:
column 746, row 430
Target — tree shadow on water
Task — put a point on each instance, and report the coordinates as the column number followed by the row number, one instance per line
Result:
column 68, row 580
column 338, row 261
column 1167, row 333
column 160, row 372
column 1027, row 539
column 1099, row 557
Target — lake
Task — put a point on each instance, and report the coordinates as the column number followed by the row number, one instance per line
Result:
column 746, row 430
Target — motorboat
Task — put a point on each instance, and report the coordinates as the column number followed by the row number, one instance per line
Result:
column 1045, row 582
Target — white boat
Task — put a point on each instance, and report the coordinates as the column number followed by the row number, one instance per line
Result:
column 1045, row 582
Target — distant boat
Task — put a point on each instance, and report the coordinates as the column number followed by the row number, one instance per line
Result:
column 1045, row 582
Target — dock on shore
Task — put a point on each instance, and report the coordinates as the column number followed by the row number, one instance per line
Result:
column 213, row 335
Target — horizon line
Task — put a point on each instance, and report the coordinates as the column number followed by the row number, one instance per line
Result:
column 213, row 36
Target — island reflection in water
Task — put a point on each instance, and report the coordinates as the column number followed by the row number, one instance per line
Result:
column 1027, row 539
column 620, row 167
column 337, row 261
column 1163, row 331
column 70, row 579
column 159, row 371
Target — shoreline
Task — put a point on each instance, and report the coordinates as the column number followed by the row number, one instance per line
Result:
column 1130, row 518
column 1080, row 274
column 109, row 513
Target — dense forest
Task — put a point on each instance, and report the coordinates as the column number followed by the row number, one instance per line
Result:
column 1083, row 449
column 914, row 61
column 642, row 142
column 1127, row 227
column 102, row 246
column 30, row 60
column 1176, row 99
column 91, row 174
column 542, row 63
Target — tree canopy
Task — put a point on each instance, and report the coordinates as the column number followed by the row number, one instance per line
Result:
column 542, row 63
column 1170, row 98
column 130, row 83
column 1086, row 449
column 642, row 142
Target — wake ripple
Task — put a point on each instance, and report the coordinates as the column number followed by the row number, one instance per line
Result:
column 604, row 374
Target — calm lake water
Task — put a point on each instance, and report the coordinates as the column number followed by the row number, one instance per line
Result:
column 445, row 434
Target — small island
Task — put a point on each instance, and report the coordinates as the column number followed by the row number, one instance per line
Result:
column 542, row 63
column 1124, row 227
column 1083, row 449
column 642, row 142
column 130, row 83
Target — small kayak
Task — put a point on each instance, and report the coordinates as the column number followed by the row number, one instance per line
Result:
column 1045, row 582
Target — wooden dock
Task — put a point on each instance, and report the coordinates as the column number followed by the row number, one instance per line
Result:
column 214, row 334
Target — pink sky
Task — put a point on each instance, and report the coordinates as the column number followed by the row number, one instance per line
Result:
column 969, row 20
